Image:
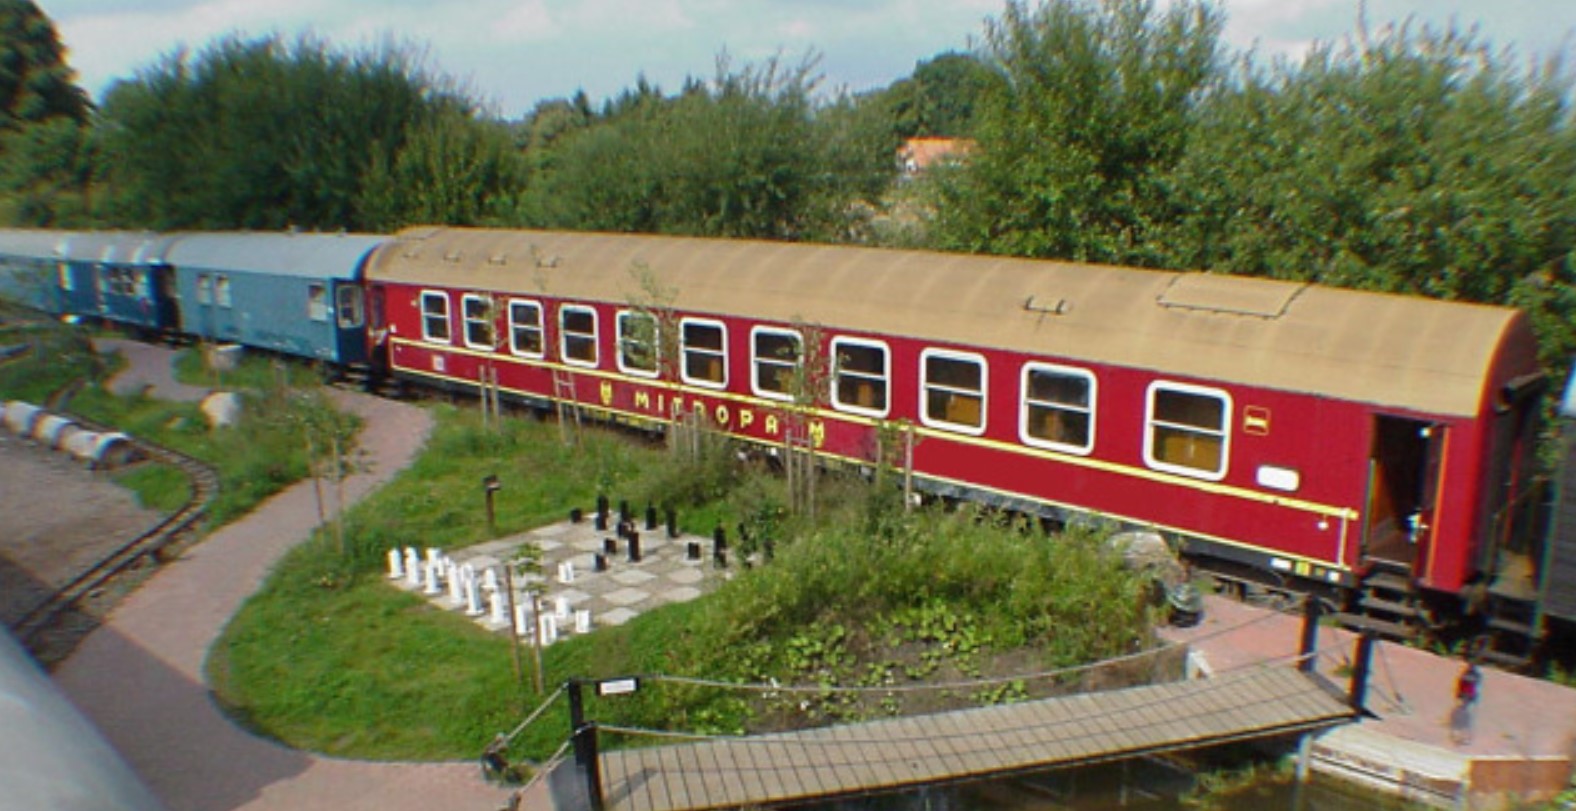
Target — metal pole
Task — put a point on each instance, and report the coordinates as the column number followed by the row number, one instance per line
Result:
column 585, row 744
column 1310, row 633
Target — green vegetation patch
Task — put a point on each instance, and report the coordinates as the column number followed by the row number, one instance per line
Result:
column 864, row 595
column 157, row 487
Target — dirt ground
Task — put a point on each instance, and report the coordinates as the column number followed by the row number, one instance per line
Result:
column 56, row 519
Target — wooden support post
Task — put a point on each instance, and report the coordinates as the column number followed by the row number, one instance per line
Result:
column 514, row 624
column 1357, row 696
column 1311, row 609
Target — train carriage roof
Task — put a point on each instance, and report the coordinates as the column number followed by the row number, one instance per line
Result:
column 113, row 247
column 31, row 243
column 308, row 255
column 1397, row 351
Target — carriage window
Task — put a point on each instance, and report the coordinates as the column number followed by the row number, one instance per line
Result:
column 204, row 289
column 221, row 291
column 525, row 328
column 66, row 282
column 637, row 343
column 705, row 350
column 349, row 307
column 776, row 358
column 1058, row 408
column 435, row 317
column 478, row 321
column 954, row 391
column 860, row 376
column 577, row 328
column 317, row 302
column 1188, row 430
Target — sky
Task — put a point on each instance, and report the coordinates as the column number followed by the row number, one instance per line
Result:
column 513, row 53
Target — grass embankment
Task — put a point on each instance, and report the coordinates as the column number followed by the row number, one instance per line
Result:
column 265, row 452
column 329, row 657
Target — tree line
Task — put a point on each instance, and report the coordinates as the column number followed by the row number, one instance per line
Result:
column 1401, row 159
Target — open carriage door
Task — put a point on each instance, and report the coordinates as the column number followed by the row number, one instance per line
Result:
column 1403, row 488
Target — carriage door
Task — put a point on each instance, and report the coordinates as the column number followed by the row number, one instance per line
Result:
column 167, row 298
column 349, row 316
column 1403, row 484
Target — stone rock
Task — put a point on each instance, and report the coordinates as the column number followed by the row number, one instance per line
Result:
column 222, row 408
column 1147, row 551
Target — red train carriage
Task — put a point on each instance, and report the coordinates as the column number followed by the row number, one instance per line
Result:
column 1314, row 432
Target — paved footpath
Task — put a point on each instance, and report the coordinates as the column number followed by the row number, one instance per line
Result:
column 139, row 677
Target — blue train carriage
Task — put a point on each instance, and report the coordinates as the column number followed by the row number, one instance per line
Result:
column 31, row 269
column 119, row 277
column 297, row 294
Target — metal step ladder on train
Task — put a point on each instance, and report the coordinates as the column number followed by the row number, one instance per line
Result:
column 1387, row 602
column 1510, row 637
column 568, row 406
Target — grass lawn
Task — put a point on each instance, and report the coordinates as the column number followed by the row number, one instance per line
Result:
column 331, row 658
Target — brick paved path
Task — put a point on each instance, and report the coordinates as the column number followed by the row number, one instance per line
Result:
column 140, row 676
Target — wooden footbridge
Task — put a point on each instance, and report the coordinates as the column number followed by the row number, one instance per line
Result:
column 973, row 744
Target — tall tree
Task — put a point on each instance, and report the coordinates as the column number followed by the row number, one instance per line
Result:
column 940, row 98
column 1095, row 106
column 264, row 133
column 36, row 84
column 1405, row 162
column 745, row 155
column 452, row 170
column 49, row 167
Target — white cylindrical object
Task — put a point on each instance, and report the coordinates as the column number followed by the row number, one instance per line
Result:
column 499, row 612
column 430, row 570
column 490, row 579
column 583, row 621
column 412, row 567
column 456, row 582
column 473, row 599
column 396, row 564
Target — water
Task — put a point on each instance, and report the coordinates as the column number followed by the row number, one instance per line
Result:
column 1139, row 785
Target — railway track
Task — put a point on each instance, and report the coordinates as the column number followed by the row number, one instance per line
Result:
column 45, row 628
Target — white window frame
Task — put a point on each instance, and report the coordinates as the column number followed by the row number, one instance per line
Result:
column 757, row 360
column 1024, row 402
column 515, row 327
column 348, row 306
column 564, row 334
column 427, row 315
column 837, row 376
column 720, row 354
column 1150, row 424
column 317, row 308
column 67, row 278
column 222, row 294
column 204, row 288
column 925, row 388
column 624, row 339
column 488, row 321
